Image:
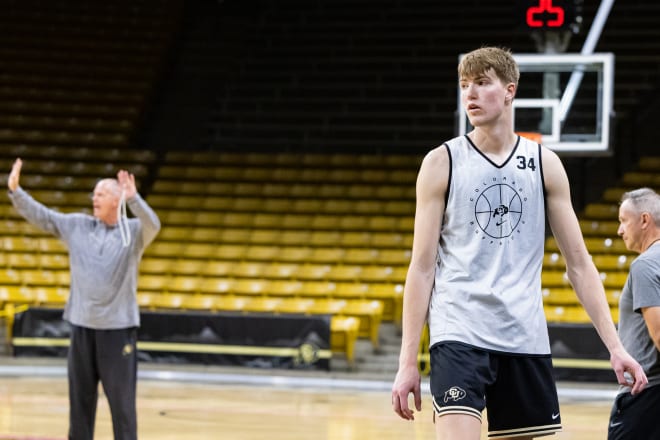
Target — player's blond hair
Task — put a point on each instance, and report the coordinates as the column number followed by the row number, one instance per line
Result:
column 481, row 60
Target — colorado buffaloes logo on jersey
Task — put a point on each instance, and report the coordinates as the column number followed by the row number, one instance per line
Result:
column 498, row 209
column 454, row 394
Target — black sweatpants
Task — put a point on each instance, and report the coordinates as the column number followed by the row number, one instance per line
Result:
column 108, row 356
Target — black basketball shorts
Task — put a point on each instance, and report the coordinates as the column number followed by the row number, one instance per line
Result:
column 518, row 391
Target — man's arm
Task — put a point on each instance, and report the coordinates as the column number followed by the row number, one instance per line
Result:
column 431, row 188
column 581, row 271
column 31, row 210
column 148, row 218
column 652, row 318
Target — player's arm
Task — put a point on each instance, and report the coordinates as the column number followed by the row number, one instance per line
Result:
column 580, row 269
column 430, row 192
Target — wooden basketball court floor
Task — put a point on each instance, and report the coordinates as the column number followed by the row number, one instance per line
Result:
column 241, row 404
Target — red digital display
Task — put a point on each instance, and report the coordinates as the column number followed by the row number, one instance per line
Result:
column 545, row 15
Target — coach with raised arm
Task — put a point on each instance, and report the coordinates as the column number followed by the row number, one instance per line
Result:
column 104, row 254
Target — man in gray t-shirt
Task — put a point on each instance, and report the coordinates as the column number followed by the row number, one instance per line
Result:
column 633, row 417
column 104, row 254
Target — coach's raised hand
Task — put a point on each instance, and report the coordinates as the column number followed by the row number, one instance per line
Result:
column 14, row 175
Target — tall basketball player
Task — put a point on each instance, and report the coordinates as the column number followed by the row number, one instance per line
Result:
column 475, row 271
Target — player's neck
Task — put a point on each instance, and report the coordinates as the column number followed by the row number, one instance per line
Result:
column 493, row 142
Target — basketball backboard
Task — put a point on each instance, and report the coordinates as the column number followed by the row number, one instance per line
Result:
column 565, row 100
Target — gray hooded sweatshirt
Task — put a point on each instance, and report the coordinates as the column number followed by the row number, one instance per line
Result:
column 103, row 272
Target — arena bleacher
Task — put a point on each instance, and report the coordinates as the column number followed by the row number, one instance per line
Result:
column 279, row 142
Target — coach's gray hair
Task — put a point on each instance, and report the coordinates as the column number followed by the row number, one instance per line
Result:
column 644, row 200
column 111, row 185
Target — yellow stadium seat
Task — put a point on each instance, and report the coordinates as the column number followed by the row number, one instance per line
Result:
column 212, row 218
column 613, row 296
column 563, row 296
column 370, row 314
column 614, row 280
column 164, row 249
column 187, row 267
column 216, row 285
column 294, row 254
column 228, row 219
column 355, row 239
column 331, row 255
column 351, row 290
column 9, row 277
column 285, row 288
column 312, row 272
column 16, row 295
column 281, row 270
column 174, row 233
column 50, row 296
column 554, row 261
column 262, row 253
column 183, row 284
column 345, row 272
column 383, row 223
column 318, row 289
column 554, row 278
column 231, row 303
column 146, row 299
column 53, row 261
column 324, row 238
column 169, row 301
column 264, row 236
column 248, row 269
column 20, row 244
column 353, row 222
column 360, row 256
column 555, row 313
column 294, row 238
column 343, row 336
column 39, row 277
column 51, row 245
column 22, row 260
column 152, row 283
column 250, row 287
column 206, row 234
column 153, row 265
column 230, row 252
column 394, row 256
column 613, row 262
column 391, row 295
column 295, row 305
column 602, row 211
column 200, row 250
column 369, row 207
column 613, row 195
column 200, row 302
column 263, row 304
column 328, row 306
column 576, row 315
column 376, row 273
column 296, row 221
column 218, row 268
column 606, row 228
column 322, row 221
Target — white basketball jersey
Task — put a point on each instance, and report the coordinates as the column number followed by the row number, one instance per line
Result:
column 487, row 290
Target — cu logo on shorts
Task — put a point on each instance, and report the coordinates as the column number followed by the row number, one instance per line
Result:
column 455, row 394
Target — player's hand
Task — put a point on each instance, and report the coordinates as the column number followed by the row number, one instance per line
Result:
column 127, row 183
column 628, row 371
column 408, row 380
column 14, row 175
